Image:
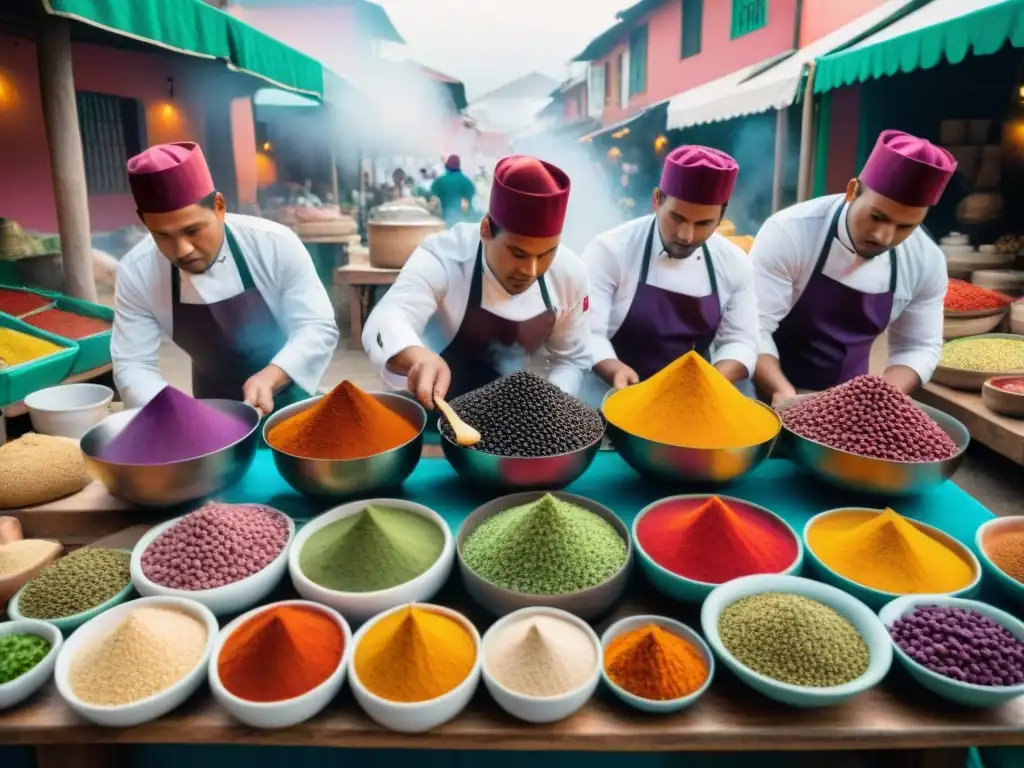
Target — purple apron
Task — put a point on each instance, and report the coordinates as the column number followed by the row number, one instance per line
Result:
column 662, row 325
column 826, row 338
column 229, row 340
column 483, row 337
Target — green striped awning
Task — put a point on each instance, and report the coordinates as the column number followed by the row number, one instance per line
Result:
column 193, row 28
column 941, row 30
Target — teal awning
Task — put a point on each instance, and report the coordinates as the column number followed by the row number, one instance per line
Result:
column 194, row 28
column 942, row 30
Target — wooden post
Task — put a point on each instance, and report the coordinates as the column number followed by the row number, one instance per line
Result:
column 334, row 172
column 781, row 125
column 70, row 195
column 803, row 187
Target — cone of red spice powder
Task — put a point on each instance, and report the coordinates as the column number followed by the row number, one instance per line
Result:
column 707, row 540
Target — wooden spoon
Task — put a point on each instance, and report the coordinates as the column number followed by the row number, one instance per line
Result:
column 10, row 532
column 465, row 435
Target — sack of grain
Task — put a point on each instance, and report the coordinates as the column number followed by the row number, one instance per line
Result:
column 36, row 469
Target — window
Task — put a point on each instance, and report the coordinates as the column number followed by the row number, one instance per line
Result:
column 624, row 79
column 693, row 21
column 638, row 60
column 111, row 129
column 608, row 80
column 748, row 16
column 615, row 91
column 598, row 89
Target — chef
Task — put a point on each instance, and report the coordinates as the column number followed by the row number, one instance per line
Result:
column 238, row 294
column 833, row 273
column 472, row 302
column 666, row 283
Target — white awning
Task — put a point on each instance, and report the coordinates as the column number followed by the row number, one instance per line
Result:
column 772, row 87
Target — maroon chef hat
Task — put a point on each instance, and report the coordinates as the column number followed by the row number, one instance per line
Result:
column 699, row 175
column 169, row 177
column 529, row 196
column 453, row 163
column 907, row 169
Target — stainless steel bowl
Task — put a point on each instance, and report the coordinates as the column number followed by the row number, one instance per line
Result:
column 672, row 464
column 492, row 472
column 586, row 603
column 880, row 476
column 351, row 477
column 164, row 485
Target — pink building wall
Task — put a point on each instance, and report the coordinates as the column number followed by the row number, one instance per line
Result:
column 26, row 182
column 668, row 74
column 843, row 136
column 819, row 17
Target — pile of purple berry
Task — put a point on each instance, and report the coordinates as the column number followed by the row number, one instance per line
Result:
column 962, row 645
column 869, row 417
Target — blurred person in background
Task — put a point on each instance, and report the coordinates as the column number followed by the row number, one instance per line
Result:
column 456, row 191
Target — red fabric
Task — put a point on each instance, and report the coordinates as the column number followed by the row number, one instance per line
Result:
column 907, row 169
column 699, row 175
column 529, row 196
column 169, row 177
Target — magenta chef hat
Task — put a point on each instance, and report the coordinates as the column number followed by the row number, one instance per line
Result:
column 700, row 175
column 907, row 169
column 529, row 197
column 453, row 163
column 169, row 177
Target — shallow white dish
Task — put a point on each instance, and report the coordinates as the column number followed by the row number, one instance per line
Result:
column 68, row 410
column 225, row 600
column 20, row 688
column 863, row 619
column 360, row 606
column 289, row 712
column 144, row 710
column 417, row 717
column 541, row 709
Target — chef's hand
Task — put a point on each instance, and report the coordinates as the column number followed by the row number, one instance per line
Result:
column 259, row 390
column 782, row 396
column 429, row 377
column 616, row 373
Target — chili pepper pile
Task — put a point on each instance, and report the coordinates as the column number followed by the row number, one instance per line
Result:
column 962, row 296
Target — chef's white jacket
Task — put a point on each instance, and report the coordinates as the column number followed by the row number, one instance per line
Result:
column 614, row 260
column 425, row 307
column 282, row 271
column 787, row 248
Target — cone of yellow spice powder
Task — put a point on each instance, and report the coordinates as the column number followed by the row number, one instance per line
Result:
column 689, row 404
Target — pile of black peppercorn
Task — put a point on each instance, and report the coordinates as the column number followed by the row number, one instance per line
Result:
column 523, row 415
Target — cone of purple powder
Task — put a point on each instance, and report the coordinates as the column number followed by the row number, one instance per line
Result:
column 869, row 417
column 173, row 427
column 961, row 644
column 216, row 545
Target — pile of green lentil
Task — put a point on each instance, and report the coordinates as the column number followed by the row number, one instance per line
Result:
column 548, row 547
column 19, row 653
column 76, row 583
column 998, row 355
column 794, row 640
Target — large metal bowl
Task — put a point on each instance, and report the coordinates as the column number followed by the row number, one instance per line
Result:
column 336, row 478
column 673, row 464
column 880, row 476
column 164, row 485
column 492, row 472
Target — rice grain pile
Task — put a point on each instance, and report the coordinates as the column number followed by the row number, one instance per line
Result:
column 21, row 555
column 38, row 469
column 145, row 653
column 988, row 354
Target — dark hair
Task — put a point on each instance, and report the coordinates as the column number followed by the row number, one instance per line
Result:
column 209, row 201
column 492, row 225
column 662, row 196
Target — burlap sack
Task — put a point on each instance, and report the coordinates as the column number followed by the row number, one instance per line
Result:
column 36, row 469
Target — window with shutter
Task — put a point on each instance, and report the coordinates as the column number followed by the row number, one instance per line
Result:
column 748, row 16
column 638, row 60
column 111, row 129
column 693, row 22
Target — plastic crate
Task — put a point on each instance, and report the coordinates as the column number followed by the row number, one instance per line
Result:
column 93, row 351
column 22, row 289
column 19, row 381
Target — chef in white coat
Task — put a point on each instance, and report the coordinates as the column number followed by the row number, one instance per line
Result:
column 834, row 273
column 238, row 294
column 472, row 302
column 667, row 283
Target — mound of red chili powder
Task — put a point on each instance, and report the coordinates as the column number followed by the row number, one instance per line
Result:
column 962, row 296
column 711, row 541
column 18, row 303
column 67, row 324
column 869, row 417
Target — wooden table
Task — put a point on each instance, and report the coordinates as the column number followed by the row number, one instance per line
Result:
column 360, row 280
column 1000, row 433
column 20, row 409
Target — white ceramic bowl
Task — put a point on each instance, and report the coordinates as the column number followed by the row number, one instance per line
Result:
column 863, row 619
column 420, row 716
column 20, row 688
column 541, row 709
column 289, row 712
column 677, row 628
column 965, row 694
column 68, row 410
column 144, row 710
column 223, row 601
column 360, row 606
